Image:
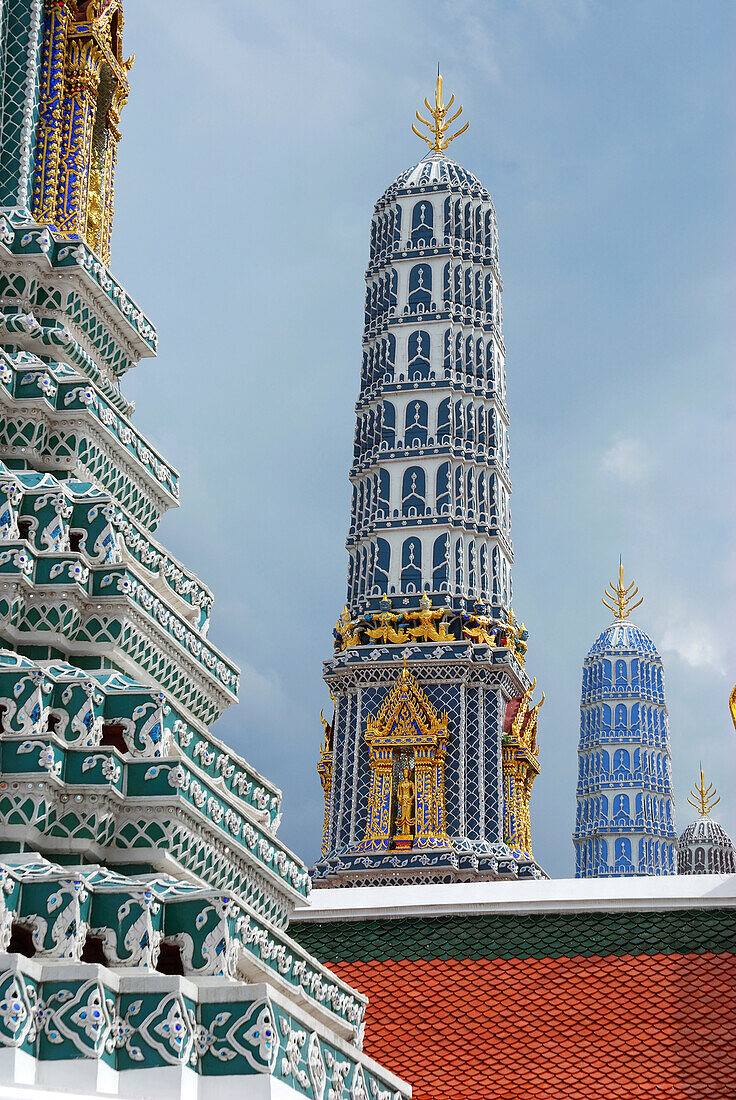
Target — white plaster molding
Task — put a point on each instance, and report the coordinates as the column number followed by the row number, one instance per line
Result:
column 652, row 892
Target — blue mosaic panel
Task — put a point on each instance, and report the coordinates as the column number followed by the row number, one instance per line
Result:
column 370, row 699
column 473, row 787
column 473, row 762
column 447, row 697
column 494, row 710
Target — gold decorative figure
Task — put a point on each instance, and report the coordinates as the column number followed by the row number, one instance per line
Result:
column 407, row 724
column 426, row 618
column 619, row 599
column 387, row 629
column 732, row 704
column 503, row 633
column 520, row 756
column 324, row 771
column 345, row 632
column 405, row 820
column 83, row 88
column 440, row 123
column 704, row 798
column 479, row 629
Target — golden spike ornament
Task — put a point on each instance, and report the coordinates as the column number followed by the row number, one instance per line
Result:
column 619, row 599
column 324, row 771
column 704, row 798
column 440, row 123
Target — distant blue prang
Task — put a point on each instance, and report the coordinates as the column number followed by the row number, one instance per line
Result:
column 625, row 818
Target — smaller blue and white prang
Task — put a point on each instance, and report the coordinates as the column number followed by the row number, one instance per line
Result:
column 625, row 819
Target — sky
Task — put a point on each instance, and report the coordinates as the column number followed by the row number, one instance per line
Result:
column 257, row 138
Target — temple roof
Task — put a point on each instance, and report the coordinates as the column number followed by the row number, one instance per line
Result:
column 623, row 637
column 435, row 170
column 559, row 990
column 706, row 831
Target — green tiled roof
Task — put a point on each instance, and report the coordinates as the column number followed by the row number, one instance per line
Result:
column 521, row 936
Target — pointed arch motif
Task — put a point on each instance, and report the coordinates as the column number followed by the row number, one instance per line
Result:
column 406, row 727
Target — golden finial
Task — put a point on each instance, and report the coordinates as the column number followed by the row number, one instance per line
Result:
column 621, row 597
column 705, row 797
column 440, row 123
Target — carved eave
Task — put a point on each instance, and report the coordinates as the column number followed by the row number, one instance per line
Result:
column 407, row 705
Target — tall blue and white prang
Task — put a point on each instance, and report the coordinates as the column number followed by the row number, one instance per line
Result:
column 428, row 765
column 625, row 819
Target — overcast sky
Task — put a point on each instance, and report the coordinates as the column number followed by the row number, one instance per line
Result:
column 257, row 138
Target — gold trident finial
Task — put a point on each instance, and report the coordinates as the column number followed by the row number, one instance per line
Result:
column 621, row 597
column 440, row 123
column 705, row 797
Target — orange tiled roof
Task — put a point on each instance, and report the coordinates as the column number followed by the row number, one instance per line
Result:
column 616, row 1027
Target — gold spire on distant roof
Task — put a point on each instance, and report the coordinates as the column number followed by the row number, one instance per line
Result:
column 621, row 597
column 440, row 123
column 705, row 797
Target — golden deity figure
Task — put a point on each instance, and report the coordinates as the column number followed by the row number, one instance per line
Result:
column 405, row 818
column 514, row 635
column 345, row 632
column 522, row 645
column 386, row 628
column 732, row 705
column 426, row 618
column 619, row 599
column 440, row 123
column 479, row 628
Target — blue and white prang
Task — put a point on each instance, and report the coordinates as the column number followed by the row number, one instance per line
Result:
column 430, row 475
column 430, row 553
column 625, row 818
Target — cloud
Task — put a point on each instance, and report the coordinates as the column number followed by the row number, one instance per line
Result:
column 259, row 690
column 274, row 47
column 626, row 460
column 473, row 44
column 694, row 643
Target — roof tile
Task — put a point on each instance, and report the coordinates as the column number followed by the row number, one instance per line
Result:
column 616, row 1027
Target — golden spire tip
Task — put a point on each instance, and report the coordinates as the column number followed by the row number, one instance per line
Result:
column 704, row 798
column 619, row 599
column 440, row 123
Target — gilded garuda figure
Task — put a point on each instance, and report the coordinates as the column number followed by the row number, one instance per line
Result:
column 387, row 628
column 425, row 630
